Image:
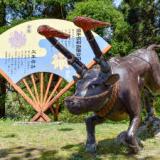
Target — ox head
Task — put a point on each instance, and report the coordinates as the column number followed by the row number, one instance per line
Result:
column 94, row 86
column 92, row 90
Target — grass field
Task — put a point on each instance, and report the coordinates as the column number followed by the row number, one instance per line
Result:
column 66, row 142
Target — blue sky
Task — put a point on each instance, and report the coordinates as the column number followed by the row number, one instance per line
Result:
column 117, row 2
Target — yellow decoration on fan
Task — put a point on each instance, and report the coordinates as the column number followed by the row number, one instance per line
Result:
column 59, row 61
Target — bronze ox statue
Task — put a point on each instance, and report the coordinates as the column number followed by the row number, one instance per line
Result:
column 111, row 89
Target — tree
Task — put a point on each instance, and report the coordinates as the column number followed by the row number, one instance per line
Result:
column 143, row 18
column 23, row 9
column 105, row 11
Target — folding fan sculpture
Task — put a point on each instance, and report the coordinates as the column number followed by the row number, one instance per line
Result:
column 112, row 89
column 36, row 69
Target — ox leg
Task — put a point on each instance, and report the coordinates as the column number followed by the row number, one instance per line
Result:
column 91, row 122
column 133, row 107
column 148, row 103
column 155, row 74
column 151, row 124
column 134, row 110
column 131, row 134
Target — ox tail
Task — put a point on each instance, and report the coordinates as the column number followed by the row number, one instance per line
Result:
column 153, row 47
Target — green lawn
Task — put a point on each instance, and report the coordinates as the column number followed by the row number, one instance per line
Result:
column 66, row 142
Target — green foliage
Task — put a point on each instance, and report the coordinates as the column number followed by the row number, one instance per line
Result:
column 56, row 8
column 65, row 116
column 143, row 18
column 17, row 4
column 50, row 2
column 156, row 105
column 17, row 107
column 103, row 10
column 3, row 29
column 16, row 22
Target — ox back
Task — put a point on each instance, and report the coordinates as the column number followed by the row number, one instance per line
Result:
column 141, row 68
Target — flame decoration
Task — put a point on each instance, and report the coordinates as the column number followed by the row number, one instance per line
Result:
column 17, row 39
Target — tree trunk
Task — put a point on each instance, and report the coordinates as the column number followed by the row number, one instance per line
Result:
column 2, row 80
column 2, row 13
column 55, row 11
column 2, row 96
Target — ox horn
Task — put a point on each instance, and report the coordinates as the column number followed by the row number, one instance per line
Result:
column 87, row 24
column 50, row 34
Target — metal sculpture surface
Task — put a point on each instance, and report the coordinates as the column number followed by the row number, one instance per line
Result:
column 111, row 89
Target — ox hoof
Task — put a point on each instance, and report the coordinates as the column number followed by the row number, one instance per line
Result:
column 134, row 149
column 91, row 148
column 134, row 146
column 121, row 138
column 140, row 143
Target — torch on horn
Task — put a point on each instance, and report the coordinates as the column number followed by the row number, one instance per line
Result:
column 50, row 34
column 87, row 24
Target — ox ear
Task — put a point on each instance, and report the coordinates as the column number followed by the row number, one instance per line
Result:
column 112, row 79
